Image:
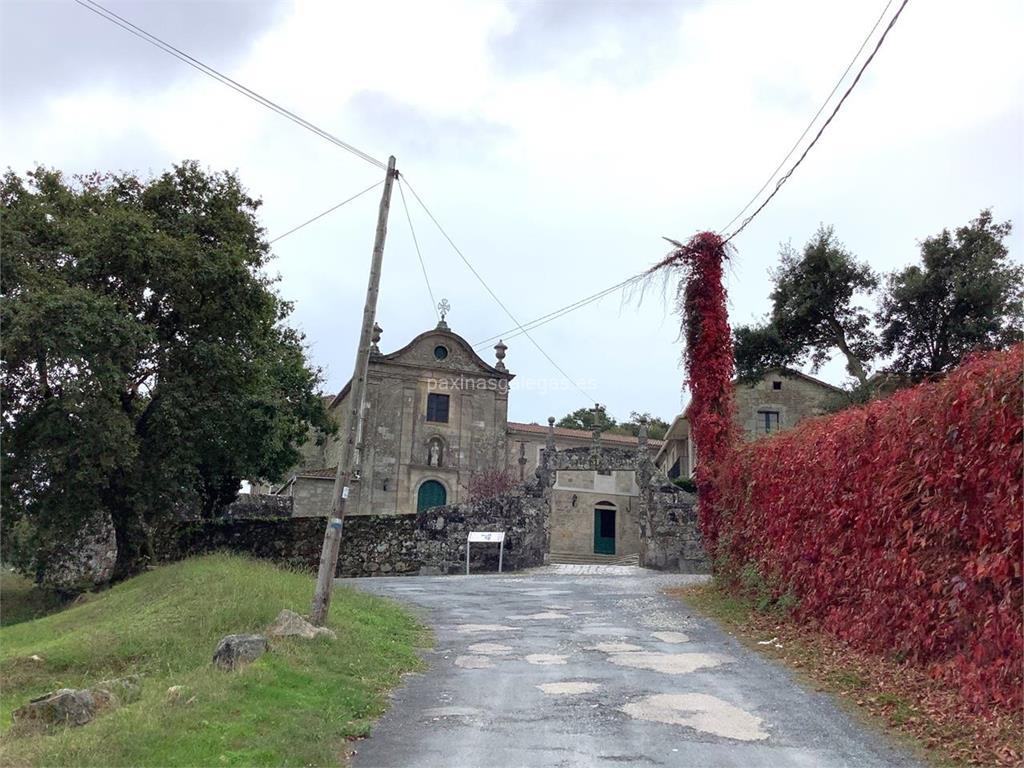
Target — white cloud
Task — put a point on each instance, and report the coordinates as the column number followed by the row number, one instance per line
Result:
column 557, row 151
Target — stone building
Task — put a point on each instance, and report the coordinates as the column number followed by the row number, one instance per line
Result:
column 436, row 414
column 780, row 400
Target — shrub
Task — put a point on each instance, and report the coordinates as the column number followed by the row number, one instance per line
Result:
column 897, row 525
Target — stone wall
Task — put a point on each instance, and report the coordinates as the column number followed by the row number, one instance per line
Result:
column 441, row 533
column 294, row 542
column 433, row 541
column 795, row 399
column 378, row 545
column 670, row 537
column 658, row 520
column 248, row 507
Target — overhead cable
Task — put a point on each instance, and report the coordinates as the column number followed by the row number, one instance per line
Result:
column 209, row 71
column 783, row 179
column 493, row 295
column 329, row 210
column 419, row 255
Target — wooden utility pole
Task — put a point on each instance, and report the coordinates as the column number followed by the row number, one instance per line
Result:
column 349, row 463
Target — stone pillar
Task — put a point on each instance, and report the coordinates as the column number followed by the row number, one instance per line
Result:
column 545, row 469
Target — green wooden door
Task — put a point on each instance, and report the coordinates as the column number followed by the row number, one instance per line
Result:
column 431, row 494
column 604, row 531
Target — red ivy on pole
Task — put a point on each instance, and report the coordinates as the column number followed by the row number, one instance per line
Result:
column 708, row 360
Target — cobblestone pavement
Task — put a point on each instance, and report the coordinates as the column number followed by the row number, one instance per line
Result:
column 588, row 665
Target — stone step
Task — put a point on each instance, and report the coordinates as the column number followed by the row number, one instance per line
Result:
column 574, row 558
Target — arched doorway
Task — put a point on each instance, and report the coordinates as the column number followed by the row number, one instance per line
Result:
column 431, row 494
column 604, row 528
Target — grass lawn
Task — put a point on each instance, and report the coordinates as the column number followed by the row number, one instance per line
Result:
column 927, row 716
column 295, row 706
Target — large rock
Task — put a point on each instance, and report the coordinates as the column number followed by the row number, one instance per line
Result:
column 86, row 561
column 290, row 624
column 235, row 650
column 67, row 706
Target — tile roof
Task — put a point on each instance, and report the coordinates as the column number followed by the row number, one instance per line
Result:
column 579, row 434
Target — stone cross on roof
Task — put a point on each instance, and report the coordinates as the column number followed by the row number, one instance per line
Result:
column 443, row 308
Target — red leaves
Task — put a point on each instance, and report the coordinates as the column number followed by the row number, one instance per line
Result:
column 898, row 525
column 709, row 366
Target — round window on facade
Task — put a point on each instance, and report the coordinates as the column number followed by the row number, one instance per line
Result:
column 440, row 352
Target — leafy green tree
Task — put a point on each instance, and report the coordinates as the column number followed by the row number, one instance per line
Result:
column 583, row 418
column 815, row 312
column 962, row 296
column 145, row 360
column 656, row 428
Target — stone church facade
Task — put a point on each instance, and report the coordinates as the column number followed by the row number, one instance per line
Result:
column 436, row 415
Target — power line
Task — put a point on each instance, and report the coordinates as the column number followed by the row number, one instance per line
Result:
column 825, row 125
column 419, row 255
column 329, row 210
column 558, row 313
column 209, row 71
column 494, row 296
column 813, row 119
column 562, row 311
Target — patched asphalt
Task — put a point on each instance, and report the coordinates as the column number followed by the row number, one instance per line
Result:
column 585, row 666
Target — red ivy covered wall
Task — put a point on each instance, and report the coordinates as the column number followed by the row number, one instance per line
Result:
column 897, row 526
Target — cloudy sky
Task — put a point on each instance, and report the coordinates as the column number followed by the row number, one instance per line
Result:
column 555, row 140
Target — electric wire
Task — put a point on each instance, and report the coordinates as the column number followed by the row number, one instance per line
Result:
column 493, row 295
column 329, row 210
column 209, row 71
column 520, row 329
column 817, row 114
column 860, row 72
column 416, row 243
column 556, row 314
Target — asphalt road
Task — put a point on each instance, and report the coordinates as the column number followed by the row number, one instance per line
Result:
column 579, row 666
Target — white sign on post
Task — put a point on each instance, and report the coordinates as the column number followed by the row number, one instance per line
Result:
column 486, row 537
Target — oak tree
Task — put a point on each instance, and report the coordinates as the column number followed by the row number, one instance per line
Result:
column 147, row 365
column 816, row 312
column 964, row 295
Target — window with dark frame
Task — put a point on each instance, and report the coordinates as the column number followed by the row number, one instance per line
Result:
column 768, row 421
column 437, row 408
column 776, row 385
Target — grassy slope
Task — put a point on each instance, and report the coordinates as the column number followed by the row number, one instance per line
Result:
column 294, row 706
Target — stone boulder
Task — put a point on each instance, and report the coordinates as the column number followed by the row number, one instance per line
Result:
column 86, row 560
column 71, row 706
column 67, row 706
column 290, row 624
column 235, row 650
